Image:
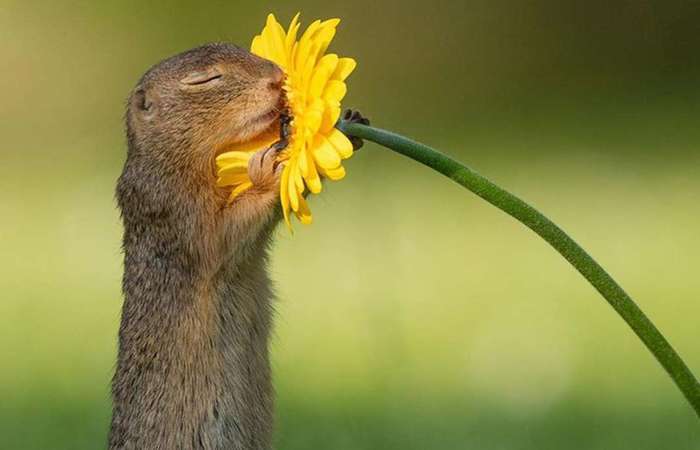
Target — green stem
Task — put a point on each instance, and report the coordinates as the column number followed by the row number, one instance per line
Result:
column 555, row 236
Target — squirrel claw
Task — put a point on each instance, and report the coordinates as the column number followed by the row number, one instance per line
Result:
column 262, row 166
column 354, row 116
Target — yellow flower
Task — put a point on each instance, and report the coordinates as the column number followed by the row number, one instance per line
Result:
column 314, row 87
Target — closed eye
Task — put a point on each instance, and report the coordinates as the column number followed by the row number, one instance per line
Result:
column 200, row 78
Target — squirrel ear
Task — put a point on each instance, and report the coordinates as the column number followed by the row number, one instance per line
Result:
column 142, row 102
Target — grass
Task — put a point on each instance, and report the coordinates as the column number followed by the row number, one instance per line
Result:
column 385, row 422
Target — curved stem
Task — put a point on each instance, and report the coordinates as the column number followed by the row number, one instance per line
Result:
column 555, row 236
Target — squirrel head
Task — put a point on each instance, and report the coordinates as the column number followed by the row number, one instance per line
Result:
column 183, row 112
column 188, row 107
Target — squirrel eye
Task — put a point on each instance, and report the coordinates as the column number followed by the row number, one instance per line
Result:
column 201, row 77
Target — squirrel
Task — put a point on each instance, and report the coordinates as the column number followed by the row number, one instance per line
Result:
column 193, row 368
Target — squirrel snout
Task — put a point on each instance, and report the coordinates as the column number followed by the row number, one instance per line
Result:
column 275, row 85
column 276, row 78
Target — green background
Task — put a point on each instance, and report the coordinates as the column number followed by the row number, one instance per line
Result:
column 411, row 315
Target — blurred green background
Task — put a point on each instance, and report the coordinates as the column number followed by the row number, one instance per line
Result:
column 411, row 314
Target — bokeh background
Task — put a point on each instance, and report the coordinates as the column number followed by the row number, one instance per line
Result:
column 411, row 314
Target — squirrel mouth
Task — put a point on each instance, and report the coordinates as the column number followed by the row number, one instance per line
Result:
column 275, row 111
column 269, row 116
column 261, row 124
column 270, row 119
column 267, row 122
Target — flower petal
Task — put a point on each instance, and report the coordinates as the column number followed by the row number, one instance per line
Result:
column 255, row 144
column 314, row 115
column 313, row 181
column 233, row 157
column 274, row 35
column 298, row 180
column 284, row 195
column 232, row 179
column 239, row 190
column 341, row 143
column 331, row 113
column 257, row 46
column 344, row 69
column 335, row 174
column 325, row 154
column 304, row 46
column 304, row 163
column 335, row 90
column 321, row 75
column 291, row 37
column 324, row 36
column 233, row 169
column 303, row 213
column 293, row 194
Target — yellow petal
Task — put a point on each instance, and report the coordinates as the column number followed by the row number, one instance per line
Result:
column 326, row 34
column 328, row 62
column 310, row 31
column 291, row 34
column 322, row 74
column 322, row 38
column 291, row 189
column 331, row 22
column 304, row 46
column 344, row 69
column 325, row 154
column 335, row 174
column 331, row 113
column 232, row 179
column 341, row 143
column 313, row 181
column 335, row 90
column 274, row 34
column 256, row 47
column 306, row 69
column 263, row 46
column 239, row 190
column 298, row 180
column 233, row 169
column 284, row 195
column 258, row 143
column 303, row 213
column 304, row 164
column 232, row 158
column 314, row 115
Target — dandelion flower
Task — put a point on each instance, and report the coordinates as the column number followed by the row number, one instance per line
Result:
column 314, row 87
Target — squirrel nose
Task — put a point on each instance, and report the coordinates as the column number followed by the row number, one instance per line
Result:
column 275, row 85
column 276, row 79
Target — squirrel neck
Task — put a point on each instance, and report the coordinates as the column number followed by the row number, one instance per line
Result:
column 193, row 369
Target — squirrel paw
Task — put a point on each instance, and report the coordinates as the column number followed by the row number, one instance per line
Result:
column 263, row 168
column 354, row 116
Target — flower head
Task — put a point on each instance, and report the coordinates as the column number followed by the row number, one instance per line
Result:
column 314, row 86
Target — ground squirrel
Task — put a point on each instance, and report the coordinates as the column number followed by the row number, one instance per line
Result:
column 193, row 369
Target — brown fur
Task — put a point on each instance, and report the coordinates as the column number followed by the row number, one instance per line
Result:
column 193, row 369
